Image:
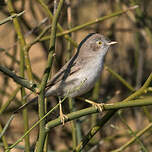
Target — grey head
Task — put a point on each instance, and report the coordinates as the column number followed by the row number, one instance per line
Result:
column 94, row 44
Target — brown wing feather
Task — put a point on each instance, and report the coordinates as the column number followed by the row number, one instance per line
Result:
column 69, row 68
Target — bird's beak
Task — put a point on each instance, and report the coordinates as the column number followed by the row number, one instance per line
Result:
column 111, row 43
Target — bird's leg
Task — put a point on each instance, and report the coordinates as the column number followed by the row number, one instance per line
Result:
column 62, row 116
column 99, row 106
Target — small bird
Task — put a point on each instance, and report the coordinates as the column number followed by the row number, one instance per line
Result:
column 81, row 72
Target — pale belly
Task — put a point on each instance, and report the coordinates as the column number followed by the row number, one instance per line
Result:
column 78, row 83
column 83, row 81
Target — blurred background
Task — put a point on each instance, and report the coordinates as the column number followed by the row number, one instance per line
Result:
column 131, row 58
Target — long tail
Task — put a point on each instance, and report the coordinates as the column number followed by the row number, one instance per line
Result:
column 26, row 104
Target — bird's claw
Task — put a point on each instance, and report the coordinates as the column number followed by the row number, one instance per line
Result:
column 63, row 117
column 99, row 106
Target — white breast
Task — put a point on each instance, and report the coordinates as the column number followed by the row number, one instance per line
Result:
column 88, row 76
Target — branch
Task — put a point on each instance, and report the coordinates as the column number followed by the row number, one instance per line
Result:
column 133, row 139
column 10, row 18
column 101, row 19
column 23, row 82
column 84, row 112
column 91, row 110
column 111, row 113
column 42, row 133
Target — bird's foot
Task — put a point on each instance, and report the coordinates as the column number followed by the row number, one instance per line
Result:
column 63, row 117
column 99, row 106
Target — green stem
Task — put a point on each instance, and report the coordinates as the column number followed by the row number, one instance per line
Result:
column 122, row 80
column 3, row 107
column 10, row 18
column 132, row 140
column 67, row 37
column 35, row 124
column 91, row 110
column 141, row 90
column 140, row 142
column 111, row 113
column 95, row 97
column 20, row 80
column 84, row 112
column 5, row 144
column 23, row 57
column 42, row 133
column 71, row 101
column 73, row 124
column 90, row 23
column 18, row 62
column 97, row 20
column 28, row 46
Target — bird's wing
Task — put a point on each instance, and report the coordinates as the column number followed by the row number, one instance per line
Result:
column 72, row 66
column 69, row 68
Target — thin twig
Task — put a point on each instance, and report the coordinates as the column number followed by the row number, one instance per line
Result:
column 110, row 114
column 10, row 18
column 79, row 27
column 133, row 139
column 23, row 82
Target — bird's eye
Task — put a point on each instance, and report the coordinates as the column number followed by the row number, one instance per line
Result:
column 99, row 42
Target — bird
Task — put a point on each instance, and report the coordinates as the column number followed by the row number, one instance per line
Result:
column 80, row 73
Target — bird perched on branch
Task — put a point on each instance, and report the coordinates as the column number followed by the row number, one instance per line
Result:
column 80, row 73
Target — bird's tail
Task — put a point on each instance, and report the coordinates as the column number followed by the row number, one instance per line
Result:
column 26, row 104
